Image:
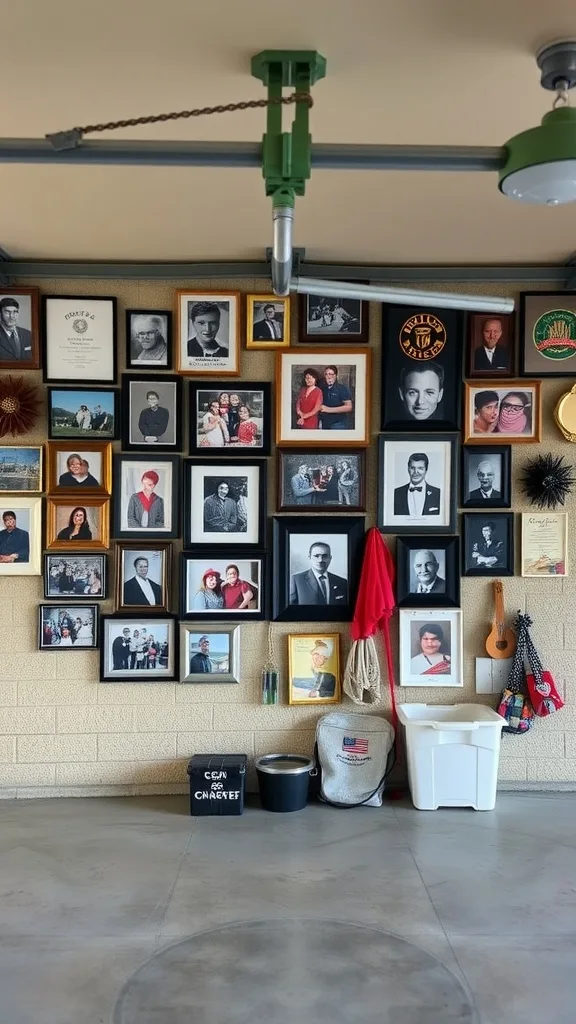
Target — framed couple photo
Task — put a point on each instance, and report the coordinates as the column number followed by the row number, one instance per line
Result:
column 236, row 421
column 208, row 339
column 496, row 411
column 323, row 397
column 417, row 483
column 225, row 503
column 80, row 469
column 223, row 584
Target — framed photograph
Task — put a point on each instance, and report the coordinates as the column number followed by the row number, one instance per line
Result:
column 223, row 586
column 83, row 577
column 69, row 525
column 332, row 319
column 491, row 347
column 19, row 335
column 267, row 321
column 323, row 397
column 143, row 576
column 494, row 410
column 21, row 468
column 316, row 566
column 421, row 368
column 431, row 647
column 88, row 415
column 312, row 480
column 237, row 420
column 209, row 655
column 146, row 496
column 486, row 476
column 20, row 536
column 67, row 625
column 544, row 544
column 79, row 336
column 85, row 469
column 488, row 544
column 548, row 334
column 314, row 673
column 417, row 483
column 151, row 413
column 208, row 333
column 225, row 503
column 138, row 649
column 148, row 339
column 428, row 572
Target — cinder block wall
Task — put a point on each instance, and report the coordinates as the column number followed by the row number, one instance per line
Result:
column 64, row 733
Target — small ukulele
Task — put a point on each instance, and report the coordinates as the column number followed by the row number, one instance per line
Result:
column 501, row 642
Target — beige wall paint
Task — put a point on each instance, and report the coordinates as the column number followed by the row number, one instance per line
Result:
column 64, row 733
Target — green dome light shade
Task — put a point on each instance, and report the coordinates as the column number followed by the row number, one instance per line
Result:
column 540, row 163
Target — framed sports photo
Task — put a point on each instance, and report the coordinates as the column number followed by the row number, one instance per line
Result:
column 488, row 544
column 314, row 672
column 208, row 333
column 20, row 536
column 139, row 649
column 209, row 655
column 148, row 339
column 224, row 503
column 431, row 647
column 491, row 345
column 417, row 483
column 71, row 524
column 81, row 577
column 226, row 585
column 236, row 421
column 19, row 334
column 496, row 411
column 21, row 468
column 421, row 368
column 323, row 397
column 88, row 414
column 143, row 576
column 548, row 334
column 428, row 572
column 313, row 480
column 267, row 321
column 545, row 544
column 67, row 626
column 316, row 567
column 151, row 413
column 333, row 319
column 79, row 336
column 80, row 469
column 146, row 504
column 486, row 476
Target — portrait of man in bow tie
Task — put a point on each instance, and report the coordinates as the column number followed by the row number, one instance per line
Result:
column 417, row 498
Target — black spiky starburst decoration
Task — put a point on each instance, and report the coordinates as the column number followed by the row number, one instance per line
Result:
column 547, row 481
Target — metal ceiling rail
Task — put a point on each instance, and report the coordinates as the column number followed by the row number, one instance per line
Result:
column 325, row 156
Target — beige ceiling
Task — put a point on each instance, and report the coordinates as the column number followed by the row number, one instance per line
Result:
column 399, row 71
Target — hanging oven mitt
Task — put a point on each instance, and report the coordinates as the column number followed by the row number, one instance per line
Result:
column 541, row 686
column 515, row 706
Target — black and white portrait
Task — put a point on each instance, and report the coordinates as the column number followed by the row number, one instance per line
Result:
column 66, row 626
column 225, row 502
column 427, row 571
column 230, row 418
column 145, row 495
column 328, row 318
column 148, row 338
column 318, row 569
column 18, row 328
column 488, row 544
column 142, row 577
column 208, row 332
column 138, row 649
column 486, row 476
column 321, row 480
column 268, row 321
column 152, row 412
column 431, row 647
column 421, row 390
column 417, row 482
column 78, row 576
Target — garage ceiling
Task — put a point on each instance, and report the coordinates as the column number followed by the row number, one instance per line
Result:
column 399, row 71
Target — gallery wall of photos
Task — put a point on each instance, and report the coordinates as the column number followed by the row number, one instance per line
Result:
column 213, row 459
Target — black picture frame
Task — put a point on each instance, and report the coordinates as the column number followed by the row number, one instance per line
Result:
column 288, row 461
column 264, row 437
column 164, row 363
column 503, row 523
column 68, row 607
column 416, row 340
column 539, row 313
column 316, row 530
column 191, row 574
column 79, row 317
column 138, row 675
column 445, row 590
column 504, row 358
column 354, row 330
column 161, row 384
column 156, row 460
column 407, row 445
column 68, row 431
column 229, row 470
column 88, row 556
column 472, row 458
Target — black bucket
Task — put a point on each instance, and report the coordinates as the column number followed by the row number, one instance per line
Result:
column 283, row 781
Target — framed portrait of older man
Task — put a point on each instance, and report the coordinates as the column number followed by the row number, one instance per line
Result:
column 225, row 503
column 421, row 368
column 486, row 476
column 143, row 576
column 428, row 571
column 490, row 345
column 19, row 335
column 208, row 325
column 148, row 339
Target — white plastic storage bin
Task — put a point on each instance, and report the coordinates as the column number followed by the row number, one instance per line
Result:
column 453, row 752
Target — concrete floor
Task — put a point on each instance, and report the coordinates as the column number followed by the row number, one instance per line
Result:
column 121, row 910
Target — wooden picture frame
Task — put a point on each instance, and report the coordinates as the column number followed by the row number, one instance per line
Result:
column 60, row 629
column 431, row 647
column 22, row 315
column 20, row 536
column 488, row 553
column 314, row 668
column 153, row 594
column 333, row 320
column 130, row 661
column 491, row 345
column 89, row 461
column 245, row 425
column 486, row 476
column 154, row 475
column 74, row 576
column 406, row 461
column 548, row 334
column 228, row 599
column 87, row 414
column 428, row 572
column 483, row 412
column 21, row 464
column 261, row 327
column 219, row 313
column 152, row 413
column 297, row 389
column 149, row 339
column 544, row 550
column 209, row 654
column 321, row 481
column 225, row 504
column 79, row 339
column 60, row 521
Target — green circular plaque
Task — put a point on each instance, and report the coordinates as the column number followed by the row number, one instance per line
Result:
column 554, row 334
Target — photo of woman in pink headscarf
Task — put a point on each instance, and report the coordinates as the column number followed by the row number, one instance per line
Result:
column 514, row 414
column 146, row 508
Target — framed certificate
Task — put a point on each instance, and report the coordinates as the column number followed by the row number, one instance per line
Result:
column 79, row 339
column 544, row 544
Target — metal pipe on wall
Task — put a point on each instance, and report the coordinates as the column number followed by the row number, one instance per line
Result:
column 281, row 260
column 401, row 296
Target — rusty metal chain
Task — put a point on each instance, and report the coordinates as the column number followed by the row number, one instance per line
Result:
column 295, row 97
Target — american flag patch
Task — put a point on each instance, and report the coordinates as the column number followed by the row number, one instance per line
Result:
column 352, row 745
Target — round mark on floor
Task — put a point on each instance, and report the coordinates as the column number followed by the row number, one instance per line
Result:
column 276, row 972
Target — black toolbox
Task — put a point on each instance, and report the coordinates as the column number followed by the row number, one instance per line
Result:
column 217, row 784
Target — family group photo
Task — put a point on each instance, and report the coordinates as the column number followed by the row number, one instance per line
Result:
column 231, row 419
column 68, row 626
column 321, row 480
column 90, row 414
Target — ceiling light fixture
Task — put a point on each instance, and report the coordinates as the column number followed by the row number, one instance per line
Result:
column 540, row 163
